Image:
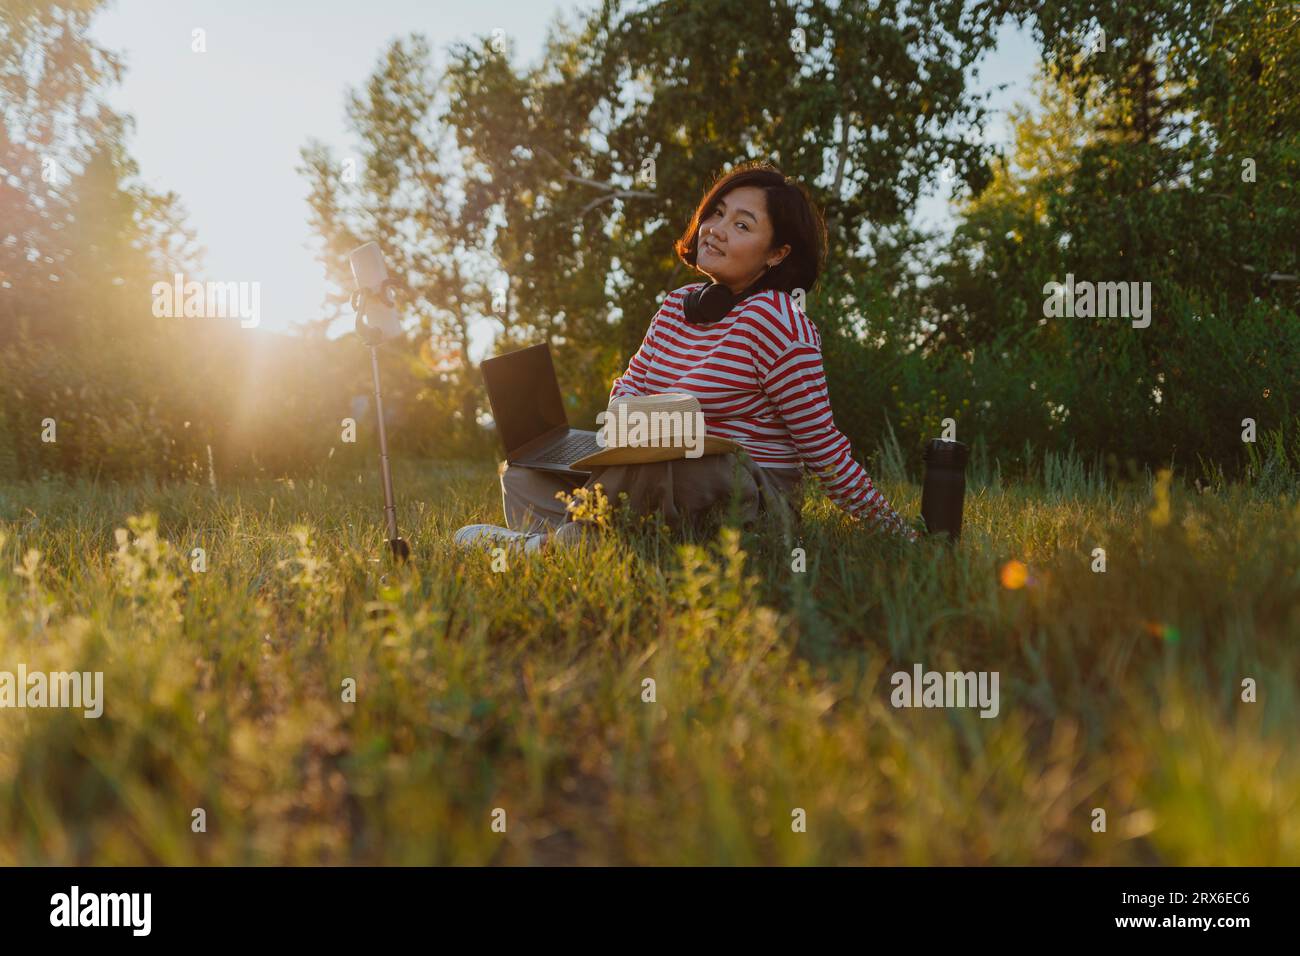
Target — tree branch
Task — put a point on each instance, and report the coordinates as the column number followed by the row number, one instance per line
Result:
column 1271, row 276
column 843, row 156
column 614, row 191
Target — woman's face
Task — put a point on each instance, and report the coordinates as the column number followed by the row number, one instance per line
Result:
column 735, row 240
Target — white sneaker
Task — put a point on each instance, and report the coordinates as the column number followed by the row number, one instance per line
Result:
column 494, row 536
column 575, row 534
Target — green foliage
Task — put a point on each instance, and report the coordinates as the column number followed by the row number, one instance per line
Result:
column 546, row 200
column 196, row 397
column 1106, row 183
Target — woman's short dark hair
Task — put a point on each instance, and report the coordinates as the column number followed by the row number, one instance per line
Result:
column 795, row 220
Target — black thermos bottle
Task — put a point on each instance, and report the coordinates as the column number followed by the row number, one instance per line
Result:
column 944, row 491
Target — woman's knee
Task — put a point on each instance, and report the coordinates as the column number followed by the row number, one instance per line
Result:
column 528, row 498
column 511, row 476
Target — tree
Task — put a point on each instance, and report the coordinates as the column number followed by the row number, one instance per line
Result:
column 598, row 156
column 1132, row 170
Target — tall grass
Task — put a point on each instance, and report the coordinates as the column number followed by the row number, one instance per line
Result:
column 524, row 689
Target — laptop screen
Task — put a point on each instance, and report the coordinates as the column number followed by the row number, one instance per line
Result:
column 524, row 394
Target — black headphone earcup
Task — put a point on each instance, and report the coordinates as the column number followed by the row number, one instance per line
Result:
column 691, row 305
column 708, row 304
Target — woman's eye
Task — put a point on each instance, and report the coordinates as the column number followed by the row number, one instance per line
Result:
column 717, row 211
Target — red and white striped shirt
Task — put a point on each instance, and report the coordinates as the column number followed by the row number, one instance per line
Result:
column 759, row 379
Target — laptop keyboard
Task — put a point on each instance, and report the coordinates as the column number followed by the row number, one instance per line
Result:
column 573, row 446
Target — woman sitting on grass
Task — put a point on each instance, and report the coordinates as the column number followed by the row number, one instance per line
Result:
column 752, row 358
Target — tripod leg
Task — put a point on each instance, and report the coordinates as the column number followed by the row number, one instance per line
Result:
column 398, row 546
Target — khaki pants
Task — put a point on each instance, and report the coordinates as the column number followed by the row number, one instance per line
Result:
column 686, row 491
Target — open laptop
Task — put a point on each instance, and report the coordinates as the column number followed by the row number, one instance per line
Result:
column 529, row 413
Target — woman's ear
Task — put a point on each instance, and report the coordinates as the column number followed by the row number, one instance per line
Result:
column 785, row 251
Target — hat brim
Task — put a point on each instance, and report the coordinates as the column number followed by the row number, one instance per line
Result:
column 646, row 454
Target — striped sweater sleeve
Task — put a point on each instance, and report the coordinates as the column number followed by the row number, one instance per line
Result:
column 788, row 360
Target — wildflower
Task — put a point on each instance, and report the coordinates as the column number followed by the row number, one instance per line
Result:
column 588, row 504
column 145, row 567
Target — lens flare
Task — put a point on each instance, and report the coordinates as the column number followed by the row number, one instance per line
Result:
column 1166, row 632
column 1014, row 575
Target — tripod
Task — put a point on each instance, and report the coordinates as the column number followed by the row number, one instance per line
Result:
column 373, row 336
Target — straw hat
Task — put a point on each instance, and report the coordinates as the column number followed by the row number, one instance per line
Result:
column 645, row 428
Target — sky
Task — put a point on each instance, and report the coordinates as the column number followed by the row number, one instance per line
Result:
column 223, row 128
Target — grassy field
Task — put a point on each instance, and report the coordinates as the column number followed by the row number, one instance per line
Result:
column 523, row 689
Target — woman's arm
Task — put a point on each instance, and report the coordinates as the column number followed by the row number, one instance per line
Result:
column 789, row 364
column 632, row 382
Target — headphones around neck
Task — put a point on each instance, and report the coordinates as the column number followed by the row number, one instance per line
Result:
column 711, row 303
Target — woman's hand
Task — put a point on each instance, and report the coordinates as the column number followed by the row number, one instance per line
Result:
column 911, row 531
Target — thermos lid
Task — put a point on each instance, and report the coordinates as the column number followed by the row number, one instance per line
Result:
column 939, row 451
